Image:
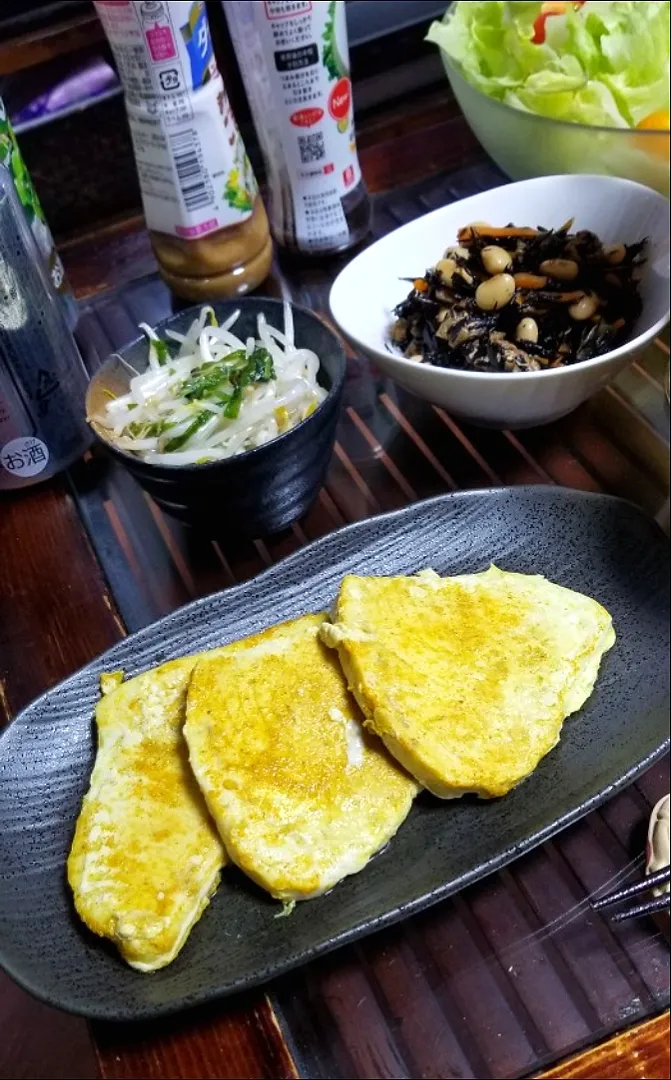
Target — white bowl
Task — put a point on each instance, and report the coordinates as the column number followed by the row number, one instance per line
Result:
column 365, row 293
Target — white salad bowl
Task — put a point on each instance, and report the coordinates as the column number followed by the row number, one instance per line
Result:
column 366, row 291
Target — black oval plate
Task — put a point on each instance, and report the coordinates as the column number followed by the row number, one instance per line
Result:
column 601, row 546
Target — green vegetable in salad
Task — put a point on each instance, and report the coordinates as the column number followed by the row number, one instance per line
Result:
column 163, row 353
column 238, row 370
column 148, row 430
column 210, row 377
column 598, row 63
column 232, row 405
column 196, row 424
column 259, row 368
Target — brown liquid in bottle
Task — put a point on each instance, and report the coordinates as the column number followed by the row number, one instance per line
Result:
column 221, row 265
column 357, row 208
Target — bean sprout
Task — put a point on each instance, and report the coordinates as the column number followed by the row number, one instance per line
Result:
column 207, row 395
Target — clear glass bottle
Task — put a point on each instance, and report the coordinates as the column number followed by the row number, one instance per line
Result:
column 207, row 222
column 294, row 62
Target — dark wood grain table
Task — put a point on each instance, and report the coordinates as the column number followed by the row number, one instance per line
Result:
column 507, row 979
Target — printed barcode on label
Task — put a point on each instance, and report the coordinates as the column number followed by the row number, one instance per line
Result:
column 311, row 147
column 192, row 179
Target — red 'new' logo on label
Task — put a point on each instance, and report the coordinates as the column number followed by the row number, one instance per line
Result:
column 340, row 99
column 306, row 117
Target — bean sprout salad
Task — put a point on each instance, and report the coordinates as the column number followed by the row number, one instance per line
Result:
column 207, row 395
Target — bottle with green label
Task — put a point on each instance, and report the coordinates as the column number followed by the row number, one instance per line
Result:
column 10, row 157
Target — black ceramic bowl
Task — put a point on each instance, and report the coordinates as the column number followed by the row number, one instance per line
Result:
column 258, row 492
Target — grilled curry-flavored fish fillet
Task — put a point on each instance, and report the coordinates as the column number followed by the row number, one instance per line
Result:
column 468, row 679
column 301, row 796
column 146, row 856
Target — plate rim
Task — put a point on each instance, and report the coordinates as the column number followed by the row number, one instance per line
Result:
column 74, row 1006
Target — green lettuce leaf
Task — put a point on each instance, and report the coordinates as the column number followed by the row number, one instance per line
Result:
column 605, row 63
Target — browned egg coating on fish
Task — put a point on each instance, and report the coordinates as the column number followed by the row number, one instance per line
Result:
column 146, row 856
column 301, row 795
column 468, row 680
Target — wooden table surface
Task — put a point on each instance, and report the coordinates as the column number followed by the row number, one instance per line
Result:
column 507, row 979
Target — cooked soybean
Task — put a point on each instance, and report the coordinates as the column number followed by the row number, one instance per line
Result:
column 495, row 292
column 496, row 260
column 560, row 269
column 584, row 308
column 527, row 330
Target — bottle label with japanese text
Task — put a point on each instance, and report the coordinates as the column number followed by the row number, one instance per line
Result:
column 24, row 457
column 301, row 95
column 194, row 172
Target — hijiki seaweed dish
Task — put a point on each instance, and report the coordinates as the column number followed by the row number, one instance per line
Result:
column 510, row 299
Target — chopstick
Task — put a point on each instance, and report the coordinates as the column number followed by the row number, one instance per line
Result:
column 650, row 907
column 660, row 877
